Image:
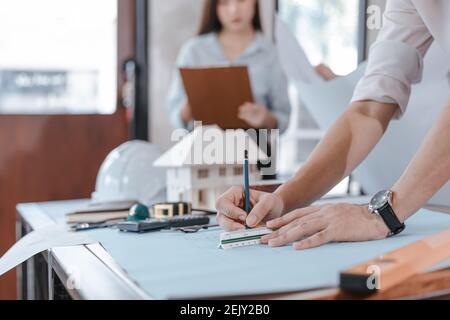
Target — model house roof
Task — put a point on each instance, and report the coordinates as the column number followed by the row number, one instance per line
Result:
column 210, row 145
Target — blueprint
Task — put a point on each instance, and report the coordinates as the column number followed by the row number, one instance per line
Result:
column 173, row 265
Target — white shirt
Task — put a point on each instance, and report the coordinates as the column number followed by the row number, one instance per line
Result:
column 268, row 82
column 396, row 58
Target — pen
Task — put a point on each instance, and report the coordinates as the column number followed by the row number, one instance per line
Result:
column 91, row 226
column 246, row 184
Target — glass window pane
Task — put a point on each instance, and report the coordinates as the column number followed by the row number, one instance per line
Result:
column 326, row 29
column 58, row 56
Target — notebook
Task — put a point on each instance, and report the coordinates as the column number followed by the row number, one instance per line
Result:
column 100, row 212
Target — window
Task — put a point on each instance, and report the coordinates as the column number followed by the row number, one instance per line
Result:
column 238, row 171
column 65, row 60
column 328, row 30
column 203, row 174
column 222, row 172
column 201, row 197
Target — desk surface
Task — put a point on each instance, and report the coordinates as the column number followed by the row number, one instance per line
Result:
column 104, row 279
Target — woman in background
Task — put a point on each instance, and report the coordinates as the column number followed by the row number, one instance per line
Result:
column 231, row 34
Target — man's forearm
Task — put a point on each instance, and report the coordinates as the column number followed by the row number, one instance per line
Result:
column 343, row 148
column 428, row 171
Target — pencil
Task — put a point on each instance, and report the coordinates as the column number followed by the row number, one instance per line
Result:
column 246, row 184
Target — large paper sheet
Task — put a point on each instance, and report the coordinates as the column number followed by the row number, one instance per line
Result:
column 37, row 241
column 327, row 101
column 176, row 265
column 293, row 59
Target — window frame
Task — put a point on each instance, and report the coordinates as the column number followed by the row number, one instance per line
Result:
column 132, row 19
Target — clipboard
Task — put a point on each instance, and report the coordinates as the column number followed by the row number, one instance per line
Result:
column 215, row 94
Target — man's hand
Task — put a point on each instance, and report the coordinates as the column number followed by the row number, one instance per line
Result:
column 231, row 217
column 257, row 116
column 315, row 226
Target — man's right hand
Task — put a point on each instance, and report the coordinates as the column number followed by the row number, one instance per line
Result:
column 266, row 207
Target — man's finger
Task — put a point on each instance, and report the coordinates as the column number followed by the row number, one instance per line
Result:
column 228, row 207
column 284, row 229
column 259, row 212
column 302, row 220
column 294, row 215
column 317, row 240
column 265, row 239
column 229, row 224
column 300, row 231
column 233, row 212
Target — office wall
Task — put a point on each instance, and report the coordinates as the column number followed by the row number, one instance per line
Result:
column 171, row 24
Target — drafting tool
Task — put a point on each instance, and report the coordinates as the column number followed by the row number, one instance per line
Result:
column 195, row 229
column 86, row 226
column 159, row 224
column 395, row 267
column 165, row 210
column 242, row 238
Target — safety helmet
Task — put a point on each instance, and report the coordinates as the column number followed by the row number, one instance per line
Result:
column 128, row 174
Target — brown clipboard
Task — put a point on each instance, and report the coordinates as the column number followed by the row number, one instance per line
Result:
column 215, row 94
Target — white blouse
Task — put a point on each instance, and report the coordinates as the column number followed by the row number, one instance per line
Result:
column 268, row 82
column 396, row 58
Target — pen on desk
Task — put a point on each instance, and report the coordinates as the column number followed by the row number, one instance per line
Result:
column 246, row 184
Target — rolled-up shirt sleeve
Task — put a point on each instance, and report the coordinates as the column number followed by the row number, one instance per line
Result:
column 396, row 58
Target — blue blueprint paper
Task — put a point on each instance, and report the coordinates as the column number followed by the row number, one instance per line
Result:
column 170, row 265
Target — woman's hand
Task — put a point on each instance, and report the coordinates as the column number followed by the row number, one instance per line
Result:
column 266, row 206
column 186, row 113
column 257, row 116
column 315, row 226
column 325, row 72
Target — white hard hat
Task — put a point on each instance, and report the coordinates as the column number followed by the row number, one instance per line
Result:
column 128, row 174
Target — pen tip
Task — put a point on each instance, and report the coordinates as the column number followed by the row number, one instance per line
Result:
column 246, row 154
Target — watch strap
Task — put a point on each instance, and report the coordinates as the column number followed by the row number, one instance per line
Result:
column 391, row 220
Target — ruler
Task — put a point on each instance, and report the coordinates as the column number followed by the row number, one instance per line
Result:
column 242, row 238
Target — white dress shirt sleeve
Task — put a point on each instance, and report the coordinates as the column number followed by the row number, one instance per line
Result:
column 396, row 58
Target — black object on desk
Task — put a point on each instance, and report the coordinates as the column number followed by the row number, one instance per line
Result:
column 159, row 224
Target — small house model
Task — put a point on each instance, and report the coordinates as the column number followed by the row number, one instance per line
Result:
column 207, row 162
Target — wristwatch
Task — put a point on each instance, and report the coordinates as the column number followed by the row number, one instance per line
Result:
column 381, row 204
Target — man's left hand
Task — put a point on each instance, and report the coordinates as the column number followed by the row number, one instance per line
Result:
column 315, row 226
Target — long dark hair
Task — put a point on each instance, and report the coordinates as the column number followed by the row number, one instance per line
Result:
column 211, row 23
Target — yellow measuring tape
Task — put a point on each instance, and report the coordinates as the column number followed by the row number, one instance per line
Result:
column 168, row 210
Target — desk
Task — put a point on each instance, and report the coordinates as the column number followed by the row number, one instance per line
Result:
column 48, row 275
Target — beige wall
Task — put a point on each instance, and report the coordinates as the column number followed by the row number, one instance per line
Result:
column 172, row 22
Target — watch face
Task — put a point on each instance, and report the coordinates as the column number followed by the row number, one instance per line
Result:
column 380, row 199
